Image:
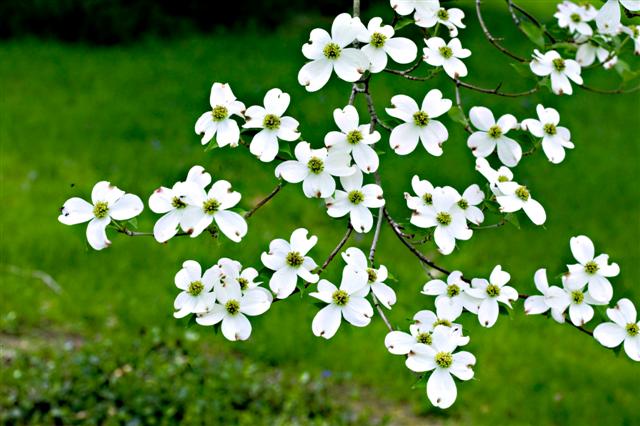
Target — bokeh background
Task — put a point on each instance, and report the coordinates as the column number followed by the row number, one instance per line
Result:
column 94, row 90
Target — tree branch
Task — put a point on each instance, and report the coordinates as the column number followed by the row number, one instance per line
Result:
column 264, row 201
column 495, row 91
column 492, row 39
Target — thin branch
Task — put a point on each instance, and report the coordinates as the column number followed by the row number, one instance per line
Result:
column 492, row 39
column 609, row 92
column 335, row 251
column 378, row 307
column 531, row 18
column 494, row 225
column 495, row 91
column 579, row 327
column 467, row 127
column 264, row 201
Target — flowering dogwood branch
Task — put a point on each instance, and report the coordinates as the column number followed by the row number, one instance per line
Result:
column 493, row 40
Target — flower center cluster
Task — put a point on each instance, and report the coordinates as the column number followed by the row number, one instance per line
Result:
column 442, row 322
column 244, row 283
column 421, row 118
column 493, row 290
column 577, row 297
column 446, row 52
column 378, row 39
column 591, row 267
column 195, row 288
column 211, row 206
column 575, row 17
column 332, row 51
column 355, row 197
column 443, row 218
column 232, row 306
column 340, row 297
column 495, row 131
column 559, row 64
column 219, row 113
column 463, row 204
column 271, row 122
column 354, row 137
column 523, row 193
column 315, row 165
column 372, row 275
column 444, row 359
column 424, row 338
column 294, row 259
column 177, row 203
column 550, row 129
column 101, row 209
column 443, row 15
column 632, row 329
column 453, row 290
column 503, row 178
column 427, row 198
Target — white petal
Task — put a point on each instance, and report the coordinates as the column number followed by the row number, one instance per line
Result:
column 264, row 145
column 126, row 207
column 75, row 210
column 582, row 248
column 488, row 313
column 96, row 233
column 404, row 138
column 236, row 327
column 326, row 322
column 441, row 389
column 402, row 50
column 232, row 225
column 399, row 343
column 166, row 227
column 609, row 334
column 351, row 64
column 104, row 191
column 315, row 74
column 283, row 282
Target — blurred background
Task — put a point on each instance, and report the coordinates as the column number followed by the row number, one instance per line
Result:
column 110, row 90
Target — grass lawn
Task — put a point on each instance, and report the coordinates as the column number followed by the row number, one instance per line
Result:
column 106, row 344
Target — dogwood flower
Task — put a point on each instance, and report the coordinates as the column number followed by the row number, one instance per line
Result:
column 624, row 328
column 380, row 43
column 440, row 357
column 552, row 297
column 197, row 289
column 218, row 120
column 424, row 194
column 343, row 302
column 575, row 17
column 356, row 200
column 634, row 32
column 438, row 53
column 608, row 17
column 490, row 293
column 231, row 271
column 232, row 308
column 315, row 168
column 108, row 203
column 405, row 7
column 589, row 51
column 579, row 303
column 289, row 260
column 452, row 296
column 491, row 134
column 560, row 70
column 356, row 259
column 419, row 123
column 274, row 126
column 449, row 221
column 450, row 18
column 590, row 269
column 467, row 202
column 503, row 174
column 517, row 197
column 554, row 138
column 354, row 139
column 328, row 52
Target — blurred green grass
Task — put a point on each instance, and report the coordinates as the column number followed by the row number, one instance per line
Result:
column 73, row 115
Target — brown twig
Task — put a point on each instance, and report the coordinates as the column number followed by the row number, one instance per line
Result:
column 492, row 39
column 335, row 251
column 495, row 91
column 264, row 201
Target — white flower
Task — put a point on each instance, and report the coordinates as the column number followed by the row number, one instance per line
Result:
column 424, row 194
column 450, row 18
column 354, row 139
column 623, row 328
column 232, row 308
column 380, row 43
column 205, row 207
column 552, row 297
column 315, row 168
column 452, row 296
column 561, row 70
column 344, row 302
column 172, row 202
column 517, row 197
column 405, row 7
column 491, row 292
column 634, row 33
column 356, row 200
column 575, row 17
column 503, row 174
column 440, row 357
column 419, row 123
column 592, row 270
column 491, row 134
column 447, row 55
column 107, row 203
column 578, row 301
column 446, row 217
column 231, row 271
column 588, row 52
column 356, row 259
column 329, row 52
column 218, row 120
column 467, row 202
column 554, row 138
column 197, row 293
column 608, row 18
column 269, row 118
column 289, row 260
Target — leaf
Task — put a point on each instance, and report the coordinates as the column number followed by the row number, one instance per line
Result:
column 523, row 70
column 285, row 149
column 535, row 33
column 457, row 115
column 403, row 23
column 133, row 223
column 512, row 218
column 211, row 146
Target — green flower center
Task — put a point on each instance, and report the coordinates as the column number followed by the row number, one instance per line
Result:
column 294, row 259
column 443, row 218
column 315, row 165
column 211, row 206
column 219, row 113
column 427, row 198
column 378, row 39
column 232, row 306
column 355, row 197
column 503, row 178
column 354, row 137
column 372, row 276
column 177, row 203
column 577, row 297
column 271, row 122
column 340, row 297
column 421, row 118
column 591, row 267
column 446, row 52
column 632, row 329
column 453, row 290
column 444, row 359
column 195, row 288
column 444, row 322
column 575, row 17
column 101, row 209
column 424, row 338
column 463, row 204
column 523, row 193
column 493, row 290
column 495, row 131
column 332, row 51
column 559, row 64
column 550, row 129
column 244, row 283
column 443, row 15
